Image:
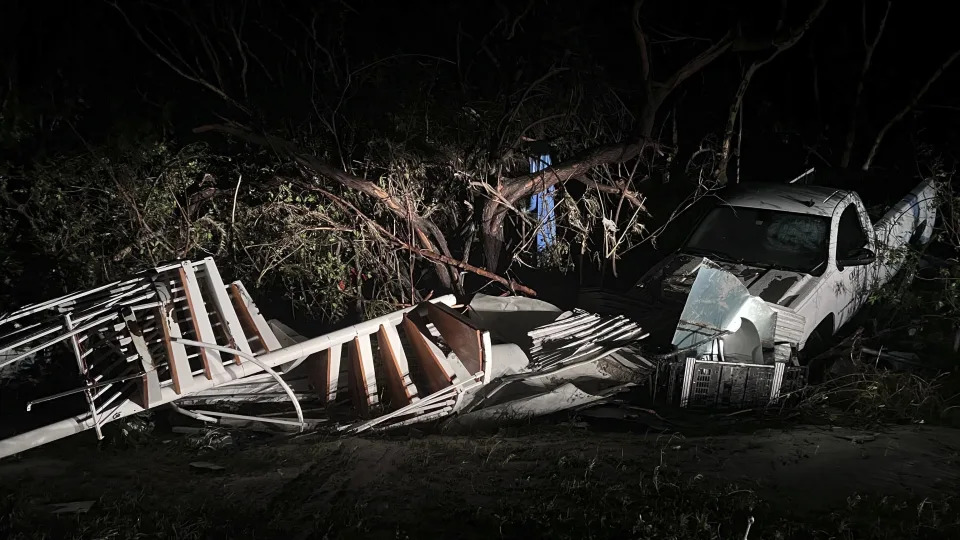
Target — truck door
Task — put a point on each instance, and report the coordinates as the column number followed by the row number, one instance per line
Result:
column 852, row 286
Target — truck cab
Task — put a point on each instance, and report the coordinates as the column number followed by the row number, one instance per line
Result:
column 809, row 249
column 791, row 261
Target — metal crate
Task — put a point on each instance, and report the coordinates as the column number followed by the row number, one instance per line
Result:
column 731, row 385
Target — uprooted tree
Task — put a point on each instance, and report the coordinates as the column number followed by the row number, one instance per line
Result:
column 475, row 146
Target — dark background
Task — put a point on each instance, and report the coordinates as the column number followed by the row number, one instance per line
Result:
column 75, row 76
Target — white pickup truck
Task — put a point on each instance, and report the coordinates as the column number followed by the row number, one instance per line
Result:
column 772, row 270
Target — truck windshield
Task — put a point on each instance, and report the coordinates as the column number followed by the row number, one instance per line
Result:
column 760, row 237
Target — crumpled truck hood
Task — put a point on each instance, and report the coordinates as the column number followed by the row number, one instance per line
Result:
column 674, row 276
column 662, row 294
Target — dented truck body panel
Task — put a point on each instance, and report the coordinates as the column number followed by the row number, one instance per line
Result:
column 729, row 285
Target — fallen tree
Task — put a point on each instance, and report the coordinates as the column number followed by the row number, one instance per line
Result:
column 495, row 188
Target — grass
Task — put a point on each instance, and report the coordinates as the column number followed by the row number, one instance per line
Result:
column 877, row 396
column 546, row 483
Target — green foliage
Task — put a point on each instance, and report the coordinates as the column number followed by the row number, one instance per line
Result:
column 113, row 211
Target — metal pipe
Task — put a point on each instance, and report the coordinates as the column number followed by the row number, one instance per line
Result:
column 258, row 363
column 34, row 308
column 37, row 401
column 192, row 414
column 83, row 328
column 283, row 421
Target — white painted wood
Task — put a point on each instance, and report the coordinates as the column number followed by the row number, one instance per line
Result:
column 201, row 321
column 368, row 376
column 263, row 327
column 336, row 377
column 64, row 428
column 151, row 381
column 399, row 357
column 221, row 301
column 183, row 380
column 487, row 345
column 81, row 365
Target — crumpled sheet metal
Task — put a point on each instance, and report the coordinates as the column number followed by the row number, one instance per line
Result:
column 576, row 360
column 161, row 323
column 510, row 318
column 569, row 395
column 718, row 304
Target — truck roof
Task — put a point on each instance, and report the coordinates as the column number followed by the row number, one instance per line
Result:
column 801, row 199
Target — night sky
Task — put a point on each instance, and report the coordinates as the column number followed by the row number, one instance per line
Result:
column 81, row 58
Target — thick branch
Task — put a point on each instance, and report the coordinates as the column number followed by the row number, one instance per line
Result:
column 511, row 190
column 425, row 253
column 621, row 189
column 641, row 40
column 657, row 92
column 910, row 106
column 515, row 188
column 698, row 62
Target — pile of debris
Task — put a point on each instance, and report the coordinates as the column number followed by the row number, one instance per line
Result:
column 178, row 336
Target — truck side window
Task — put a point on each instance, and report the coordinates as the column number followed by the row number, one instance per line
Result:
column 850, row 235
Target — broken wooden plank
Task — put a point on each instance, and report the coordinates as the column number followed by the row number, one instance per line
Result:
column 463, row 337
column 362, row 374
column 180, row 371
column 432, row 362
column 150, row 381
column 400, row 387
column 323, row 372
column 252, row 319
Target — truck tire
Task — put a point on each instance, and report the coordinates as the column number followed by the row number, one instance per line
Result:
column 817, row 344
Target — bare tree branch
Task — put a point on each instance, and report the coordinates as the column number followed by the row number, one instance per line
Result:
column 792, row 38
column 180, row 70
column 427, row 232
column 909, row 107
column 512, row 189
column 425, row 253
column 868, row 57
column 641, row 40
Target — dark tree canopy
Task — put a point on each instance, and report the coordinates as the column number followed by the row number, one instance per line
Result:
column 364, row 153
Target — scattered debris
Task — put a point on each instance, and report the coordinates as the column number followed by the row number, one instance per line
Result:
column 771, row 269
column 207, row 466
column 858, row 439
column 178, row 336
column 77, row 507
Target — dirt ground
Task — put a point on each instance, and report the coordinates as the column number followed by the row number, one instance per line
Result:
column 565, row 480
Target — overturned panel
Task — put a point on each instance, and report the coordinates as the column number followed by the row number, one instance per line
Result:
column 719, row 305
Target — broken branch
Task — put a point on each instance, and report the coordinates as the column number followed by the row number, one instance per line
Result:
column 868, row 57
column 909, row 107
column 434, row 241
column 425, row 253
column 779, row 46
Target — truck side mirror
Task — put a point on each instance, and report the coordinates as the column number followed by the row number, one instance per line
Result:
column 857, row 257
